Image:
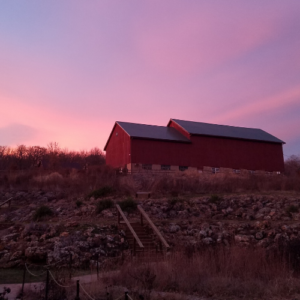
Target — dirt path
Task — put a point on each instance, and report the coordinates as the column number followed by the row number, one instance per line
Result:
column 16, row 287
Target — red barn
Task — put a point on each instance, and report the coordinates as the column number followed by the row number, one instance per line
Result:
column 190, row 145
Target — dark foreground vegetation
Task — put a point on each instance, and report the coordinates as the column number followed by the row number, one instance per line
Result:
column 218, row 272
column 210, row 273
column 239, row 270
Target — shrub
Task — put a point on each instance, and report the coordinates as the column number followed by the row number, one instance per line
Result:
column 174, row 201
column 102, row 192
column 128, row 205
column 214, row 199
column 42, row 212
column 174, row 193
column 292, row 209
column 103, row 204
column 79, row 203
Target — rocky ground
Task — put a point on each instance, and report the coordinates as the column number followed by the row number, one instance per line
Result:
column 76, row 233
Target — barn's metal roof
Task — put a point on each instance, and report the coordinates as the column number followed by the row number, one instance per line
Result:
column 153, row 132
column 199, row 128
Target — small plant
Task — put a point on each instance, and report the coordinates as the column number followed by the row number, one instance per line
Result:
column 214, row 199
column 174, row 201
column 42, row 212
column 174, row 194
column 102, row 192
column 103, row 204
column 292, row 209
column 128, row 205
column 78, row 203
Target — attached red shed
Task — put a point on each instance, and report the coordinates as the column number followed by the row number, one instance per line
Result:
column 192, row 145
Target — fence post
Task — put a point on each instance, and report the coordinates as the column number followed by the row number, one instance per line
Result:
column 126, row 295
column 47, row 285
column 70, row 265
column 77, row 291
column 23, row 283
column 142, row 220
column 107, row 293
column 134, row 246
column 97, row 265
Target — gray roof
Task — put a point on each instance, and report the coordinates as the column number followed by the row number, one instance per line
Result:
column 199, row 128
column 153, row 132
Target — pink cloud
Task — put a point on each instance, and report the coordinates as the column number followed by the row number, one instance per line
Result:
column 270, row 104
column 200, row 39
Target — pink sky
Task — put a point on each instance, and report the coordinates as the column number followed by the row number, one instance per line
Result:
column 70, row 69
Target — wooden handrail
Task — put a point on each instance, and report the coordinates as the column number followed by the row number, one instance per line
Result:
column 155, row 229
column 9, row 200
column 129, row 226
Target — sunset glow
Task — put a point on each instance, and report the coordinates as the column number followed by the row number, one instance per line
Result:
column 70, row 69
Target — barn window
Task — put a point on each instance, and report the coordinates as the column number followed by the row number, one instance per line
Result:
column 165, row 167
column 147, row 166
column 182, row 168
column 215, row 170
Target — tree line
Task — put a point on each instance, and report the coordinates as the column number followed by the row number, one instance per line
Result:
column 53, row 156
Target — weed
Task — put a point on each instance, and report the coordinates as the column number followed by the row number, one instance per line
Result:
column 102, row 192
column 174, row 201
column 174, row 194
column 128, row 205
column 103, row 204
column 292, row 209
column 41, row 212
column 220, row 273
column 78, row 203
column 214, row 199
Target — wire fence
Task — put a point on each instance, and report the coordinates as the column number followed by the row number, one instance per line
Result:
column 52, row 283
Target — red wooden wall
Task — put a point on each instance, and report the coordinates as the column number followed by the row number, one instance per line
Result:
column 160, row 152
column 210, row 151
column 118, row 148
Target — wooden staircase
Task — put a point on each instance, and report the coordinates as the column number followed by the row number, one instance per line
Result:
column 144, row 240
column 150, row 246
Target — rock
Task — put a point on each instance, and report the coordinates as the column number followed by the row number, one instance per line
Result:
column 36, row 253
column 9, row 237
column 107, row 213
column 259, row 235
column 207, row 240
column 109, row 238
column 242, row 238
column 202, row 234
column 72, row 224
column 174, row 228
column 43, row 199
column 65, row 233
column 3, row 218
column 16, row 255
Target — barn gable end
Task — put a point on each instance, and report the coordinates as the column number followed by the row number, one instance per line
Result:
column 118, row 147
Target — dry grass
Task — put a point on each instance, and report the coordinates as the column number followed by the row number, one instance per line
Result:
column 84, row 182
column 221, row 273
column 222, row 183
column 66, row 181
